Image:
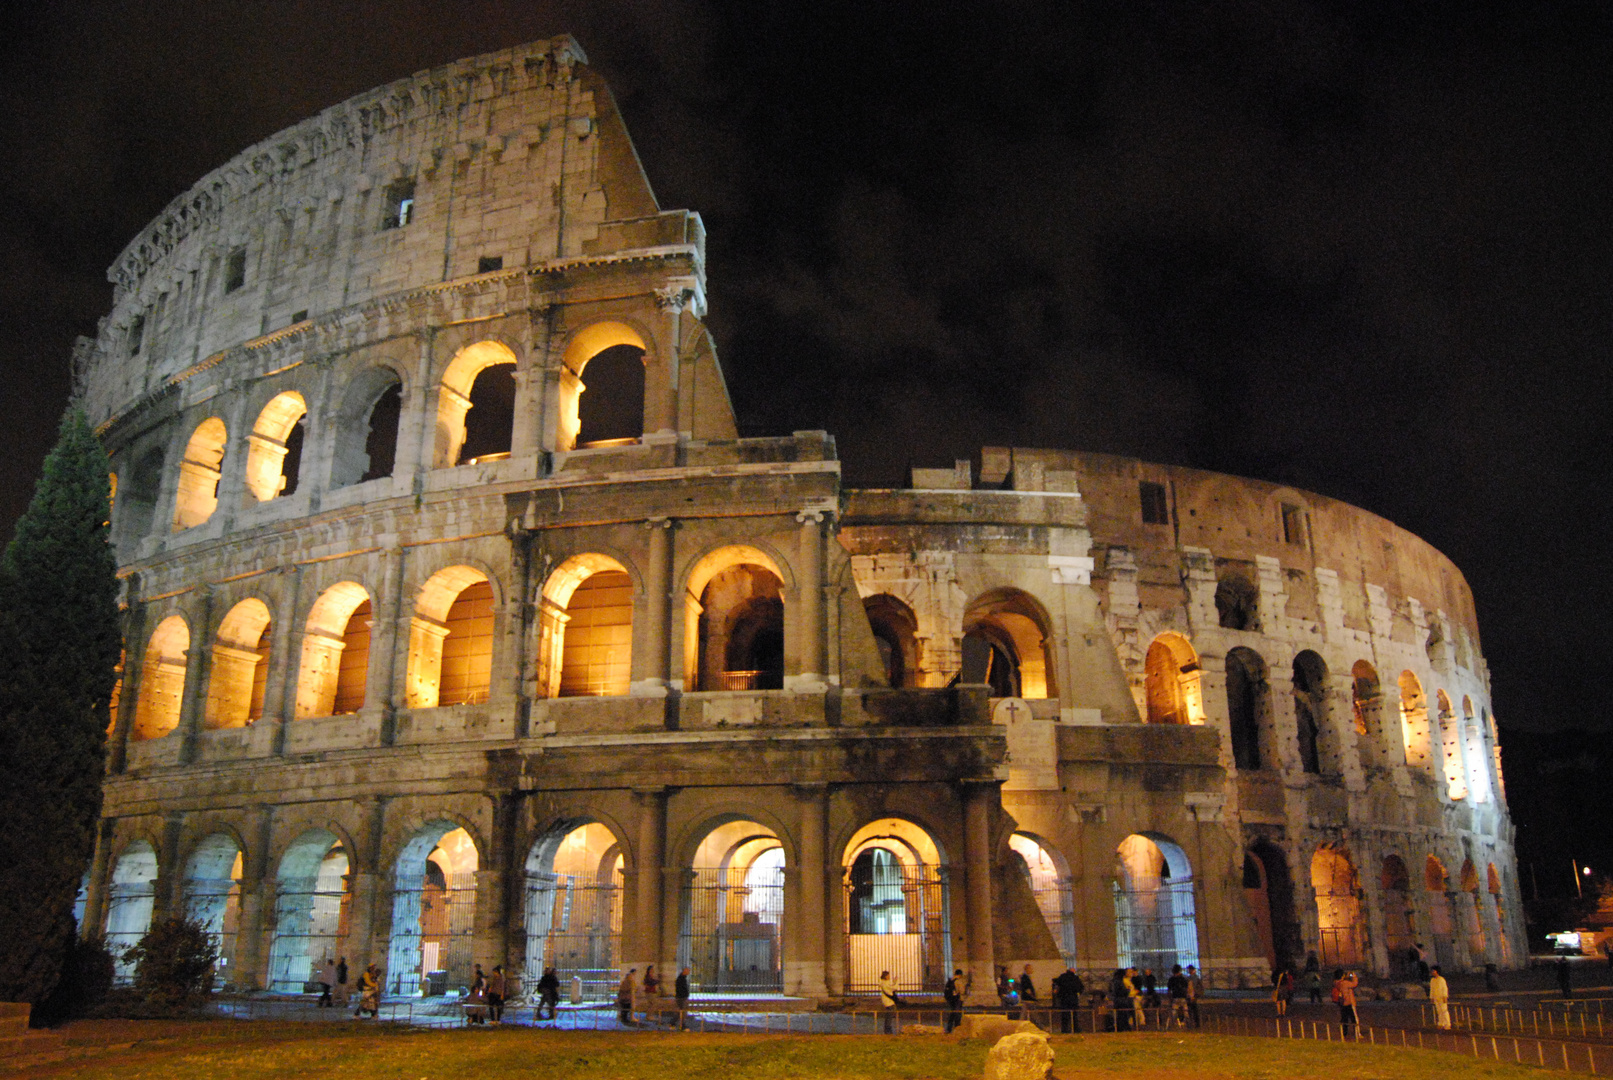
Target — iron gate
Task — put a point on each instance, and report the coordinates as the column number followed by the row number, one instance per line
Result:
column 573, row 925
column 897, row 920
column 1054, row 901
column 310, row 924
column 1155, row 928
column 433, row 938
column 732, row 929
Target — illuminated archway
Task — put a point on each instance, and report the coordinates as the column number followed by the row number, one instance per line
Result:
column 1399, row 917
column 731, row 910
column 896, row 907
column 240, row 666
column 1048, row 875
column 895, row 630
column 1414, row 722
column 274, row 448
column 585, row 629
column 451, row 640
column 1367, row 697
column 162, row 680
column 1473, row 912
column 1011, row 632
column 1477, row 768
column 335, row 652
column 433, row 911
column 574, row 907
column 1436, row 883
column 212, row 892
column 734, row 621
column 1339, row 924
column 458, row 392
column 130, row 900
column 1171, row 682
column 624, row 346
column 199, row 473
column 1155, row 924
column 1269, row 890
column 310, row 910
column 1450, row 742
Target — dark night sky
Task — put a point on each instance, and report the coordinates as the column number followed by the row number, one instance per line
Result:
column 1365, row 249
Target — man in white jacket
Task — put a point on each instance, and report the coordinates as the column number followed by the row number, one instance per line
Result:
column 1439, row 992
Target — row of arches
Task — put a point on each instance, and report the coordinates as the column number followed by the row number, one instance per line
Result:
column 1173, row 694
column 474, row 423
column 1006, row 642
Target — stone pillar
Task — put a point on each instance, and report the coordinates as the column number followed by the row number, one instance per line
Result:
column 978, row 799
column 165, row 901
column 661, row 381
column 134, row 653
column 417, row 432
column 389, row 641
column 644, row 943
column 652, row 649
column 492, row 891
column 197, row 657
column 810, row 937
column 364, row 896
column 95, row 892
column 808, row 621
column 284, row 657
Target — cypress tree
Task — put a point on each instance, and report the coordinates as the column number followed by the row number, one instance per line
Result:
column 60, row 637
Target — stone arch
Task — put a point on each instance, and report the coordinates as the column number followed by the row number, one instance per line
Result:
column 131, row 897
column 162, row 680
column 1047, row 873
column 896, row 905
column 1171, row 681
column 274, row 447
column 137, row 498
column 617, row 343
column 367, row 426
column 1474, row 763
column 734, row 620
column 199, row 473
column 212, row 892
column 1155, row 921
column 1366, row 695
column 573, row 912
column 1450, row 742
column 1248, row 707
column 895, row 630
column 1268, row 886
column 240, row 666
column 1473, row 912
column 1436, row 883
column 1310, row 709
column 731, row 929
column 1012, row 640
column 1414, row 727
column 311, row 910
column 334, row 668
column 433, row 908
column 451, row 639
column 1499, row 912
column 1237, row 600
column 585, row 628
column 1399, row 914
column 457, row 393
column 1339, row 922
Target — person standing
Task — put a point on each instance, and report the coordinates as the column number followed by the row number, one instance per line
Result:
column 548, row 992
column 1027, row 993
column 341, row 982
column 1564, row 979
column 327, row 983
column 624, row 997
column 1120, row 999
column 369, row 992
column 1134, row 990
column 1439, row 992
column 1067, row 989
column 1344, row 984
column 496, row 986
column 1282, row 989
column 888, row 1001
column 650, row 989
column 1195, row 991
column 680, row 988
column 1313, row 985
column 953, row 993
column 1176, row 986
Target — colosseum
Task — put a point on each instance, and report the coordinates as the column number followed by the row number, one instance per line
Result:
column 463, row 628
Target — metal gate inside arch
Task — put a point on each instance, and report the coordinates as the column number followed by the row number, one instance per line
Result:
column 896, row 905
column 574, row 909
column 731, row 907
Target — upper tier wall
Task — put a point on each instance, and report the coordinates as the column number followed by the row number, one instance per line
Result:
column 518, row 156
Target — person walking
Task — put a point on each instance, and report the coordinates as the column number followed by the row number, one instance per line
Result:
column 548, row 992
column 1027, row 993
column 953, row 993
column 1313, row 985
column 327, row 983
column 1134, row 990
column 1282, row 989
column 341, row 982
column 1067, row 990
column 649, row 989
column 1564, row 979
column 1120, row 999
column 888, row 1001
column 624, row 997
column 369, row 992
column 496, row 986
column 1176, row 986
column 1195, row 991
column 1344, row 984
column 680, row 989
column 1439, row 992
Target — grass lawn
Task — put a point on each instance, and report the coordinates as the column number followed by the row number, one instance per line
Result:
column 233, row 1050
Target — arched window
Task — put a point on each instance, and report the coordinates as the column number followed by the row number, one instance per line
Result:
column 585, row 629
column 574, row 907
column 311, row 910
column 212, row 891
column 896, row 636
column 1477, row 768
column 1155, row 924
column 1414, row 722
column 1450, row 741
column 475, row 414
column 1237, row 601
column 1367, row 696
column 1310, row 708
column 1246, row 705
column 736, row 623
column 433, row 909
column 335, row 653
column 731, row 911
column 600, row 410
column 162, row 680
column 451, row 640
column 1437, row 885
column 274, row 449
column 896, row 908
column 240, row 666
column 1338, row 907
column 199, row 474
column 367, row 428
column 1005, row 644
column 1171, row 682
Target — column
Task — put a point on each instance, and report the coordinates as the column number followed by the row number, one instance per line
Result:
column 808, row 621
column 166, row 901
column 284, row 656
column 645, row 944
column 661, row 380
column 197, row 658
column 95, row 892
column 978, row 797
column 257, row 900
column 383, row 684
column 809, row 933
column 134, row 652
column 492, row 894
column 652, row 643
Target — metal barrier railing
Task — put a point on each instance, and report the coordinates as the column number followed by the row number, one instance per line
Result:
column 1505, row 1020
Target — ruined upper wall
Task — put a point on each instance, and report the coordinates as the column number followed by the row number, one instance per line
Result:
column 518, row 156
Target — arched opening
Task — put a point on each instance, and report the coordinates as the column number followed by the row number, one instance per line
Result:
column 734, row 609
column 895, row 630
column 896, row 904
column 335, row 653
column 129, row 903
column 1247, row 706
column 591, row 413
column 1437, row 884
column 610, row 410
column 1310, row 708
column 1499, row 913
column 1450, row 742
column 213, row 894
column 1367, row 696
column 367, row 428
column 433, row 912
column 1269, row 889
column 476, row 414
column 1048, row 876
column 574, row 908
column 162, row 680
column 1414, row 722
column 199, row 472
column 585, row 629
column 1155, row 927
column 310, row 910
column 451, row 640
column 1339, row 925
column 1399, row 917
column 274, row 449
column 1473, row 913
column 240, row 666
column 1171, row 682
column 137, row 502
column 1478, row 773
column 1005, row 645
column 1237, row 602
column 731, row 911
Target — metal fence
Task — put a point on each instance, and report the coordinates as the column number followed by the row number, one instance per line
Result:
column 732, row 929
column 574, row 925
column 898, row 921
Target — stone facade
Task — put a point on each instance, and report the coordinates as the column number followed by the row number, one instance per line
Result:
column 419, row 687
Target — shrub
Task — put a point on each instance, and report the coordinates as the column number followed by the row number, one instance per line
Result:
column 86, row 979
column 174, row 963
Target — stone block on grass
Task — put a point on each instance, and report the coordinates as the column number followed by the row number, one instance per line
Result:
column 1022, row 1056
